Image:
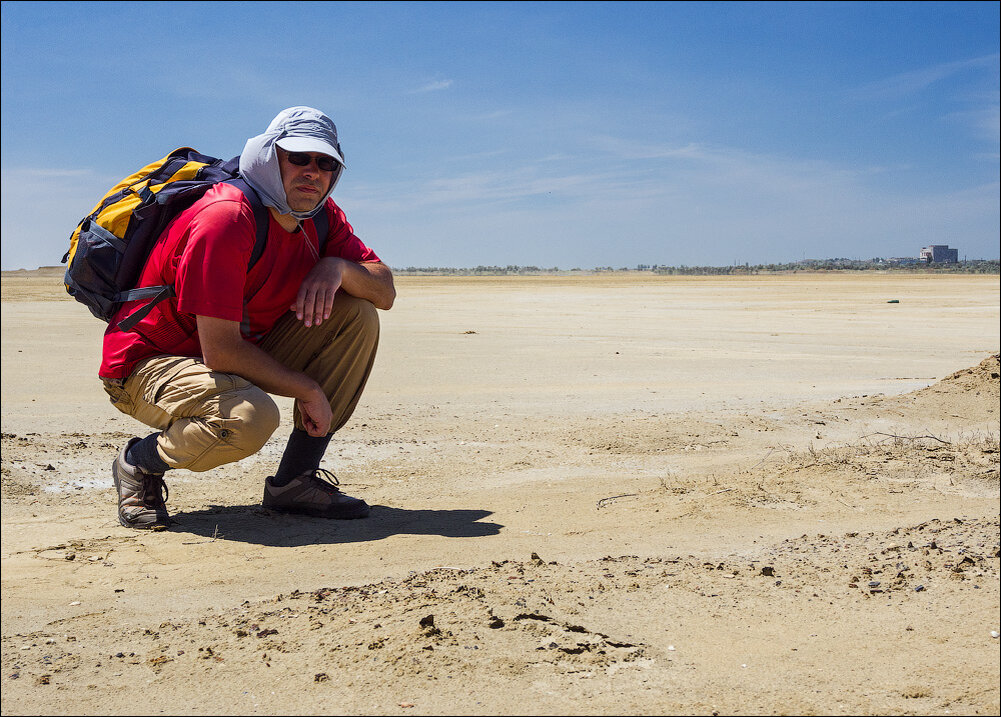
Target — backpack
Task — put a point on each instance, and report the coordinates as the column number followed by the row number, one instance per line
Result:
column 109, row 247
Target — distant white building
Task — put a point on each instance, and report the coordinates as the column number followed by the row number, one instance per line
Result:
column 939, row 254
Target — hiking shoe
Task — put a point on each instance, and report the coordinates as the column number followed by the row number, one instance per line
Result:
column 314, row 493
column 141, row 495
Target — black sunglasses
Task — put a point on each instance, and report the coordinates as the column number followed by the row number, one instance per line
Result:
column 323, row 163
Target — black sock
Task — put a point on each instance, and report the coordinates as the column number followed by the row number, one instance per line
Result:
column 143, row 455
column 303, row 454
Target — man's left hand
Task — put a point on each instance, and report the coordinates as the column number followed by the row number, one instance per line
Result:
column 315, row 299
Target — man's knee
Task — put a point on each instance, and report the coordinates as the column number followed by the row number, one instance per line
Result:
column 361, row 314
column 249, row 422
column 238, row 426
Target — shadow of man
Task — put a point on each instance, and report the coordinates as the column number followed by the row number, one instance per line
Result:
column 259, row 526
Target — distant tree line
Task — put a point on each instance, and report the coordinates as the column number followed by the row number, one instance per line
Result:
column 476, row 270
column 973, row 266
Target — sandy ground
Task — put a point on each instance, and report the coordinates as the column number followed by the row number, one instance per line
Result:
column 615, row 494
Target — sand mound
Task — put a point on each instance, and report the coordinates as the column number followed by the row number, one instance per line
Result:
column 966, row 400
column 984, row 378
column 972, row 395
column 943, row 438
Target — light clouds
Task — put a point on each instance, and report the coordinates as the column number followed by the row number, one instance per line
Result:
column 436, row 86
column 562, row 134
column 692, row 204
column 966, row 93
column 985, row 125
column 910, row 83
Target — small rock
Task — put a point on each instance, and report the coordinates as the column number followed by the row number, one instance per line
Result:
column 75, row 603
column 994, row 634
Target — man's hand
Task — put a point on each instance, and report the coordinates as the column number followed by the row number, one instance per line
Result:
column 315, row 299
column 316, row 414
column 372, row 281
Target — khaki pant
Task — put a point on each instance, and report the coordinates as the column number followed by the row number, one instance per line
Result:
column 208, row 419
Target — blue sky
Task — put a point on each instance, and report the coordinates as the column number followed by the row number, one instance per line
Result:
column 548, row 134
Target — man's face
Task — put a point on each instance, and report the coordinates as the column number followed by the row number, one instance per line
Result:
column 305, row 184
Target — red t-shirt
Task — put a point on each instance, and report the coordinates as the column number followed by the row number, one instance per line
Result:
column 204, row 253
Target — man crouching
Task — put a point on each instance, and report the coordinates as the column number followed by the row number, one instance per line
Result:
column 301, row 322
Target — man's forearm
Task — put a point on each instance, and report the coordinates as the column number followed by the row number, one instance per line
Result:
column 225, row 350
column 371, row 280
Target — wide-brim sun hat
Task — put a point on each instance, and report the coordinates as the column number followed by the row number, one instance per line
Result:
column 304, row 129
column 309, row 144
column 296, row 129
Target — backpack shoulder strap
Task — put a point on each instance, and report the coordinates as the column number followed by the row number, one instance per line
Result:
column 261, row 218
column 321, row 220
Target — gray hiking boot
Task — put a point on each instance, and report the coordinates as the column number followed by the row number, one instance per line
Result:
column 315, row 493
column 141, row 495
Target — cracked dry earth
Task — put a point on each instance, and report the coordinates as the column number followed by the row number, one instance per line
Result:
column 834, row 556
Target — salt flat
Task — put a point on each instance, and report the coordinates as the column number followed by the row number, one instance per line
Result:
column 612, row 494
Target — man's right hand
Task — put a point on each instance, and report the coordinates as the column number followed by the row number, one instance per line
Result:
column 316, row 414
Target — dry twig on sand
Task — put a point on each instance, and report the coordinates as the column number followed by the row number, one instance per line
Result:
column 605, row 501
column 907, row 438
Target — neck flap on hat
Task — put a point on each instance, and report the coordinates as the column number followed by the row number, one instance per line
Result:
column 259, row 166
